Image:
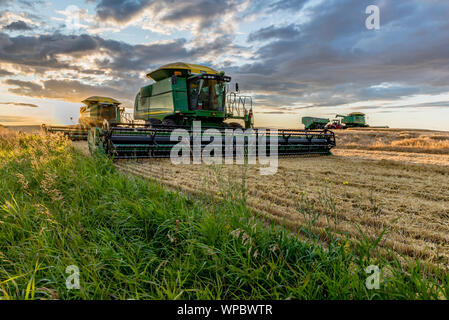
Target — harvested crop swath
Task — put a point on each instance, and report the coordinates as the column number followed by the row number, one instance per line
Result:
column 338, row 193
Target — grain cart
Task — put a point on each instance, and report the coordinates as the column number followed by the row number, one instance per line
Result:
column 314, row 123
column 92, row 114
column 181, row 94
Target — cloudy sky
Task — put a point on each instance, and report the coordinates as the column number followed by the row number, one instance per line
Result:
column 295, row 57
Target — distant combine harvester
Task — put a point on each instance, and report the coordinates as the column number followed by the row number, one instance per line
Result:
column 352, row 120
column 94, row 112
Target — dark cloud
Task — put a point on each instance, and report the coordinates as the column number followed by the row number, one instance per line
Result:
column 26, row 88
column 295, row 5
column 23, row 3
column 120, row 11
column 272, row 32
column 31, row 3
column 216, row 48
column 4, row 73
column 142, row 57
column 207, row 12
column 333, row 59
column 123, row 62
column 42, row 52
column 20, row 104
column 70, row 90
column 17, row 26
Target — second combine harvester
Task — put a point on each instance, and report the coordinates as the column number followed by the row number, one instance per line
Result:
column 181, row 94
column 92, row 114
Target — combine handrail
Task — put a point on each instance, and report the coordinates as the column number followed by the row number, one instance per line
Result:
column 237, row 104
column 126, row 117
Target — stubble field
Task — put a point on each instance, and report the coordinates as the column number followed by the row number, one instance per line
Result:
column 372, row 184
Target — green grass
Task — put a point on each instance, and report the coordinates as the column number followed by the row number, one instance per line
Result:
column 132, row 239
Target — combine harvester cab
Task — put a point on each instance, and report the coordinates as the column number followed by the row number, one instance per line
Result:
column 183, row 94
column 92, row 114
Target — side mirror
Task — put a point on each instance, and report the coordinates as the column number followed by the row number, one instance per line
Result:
column 237, row 87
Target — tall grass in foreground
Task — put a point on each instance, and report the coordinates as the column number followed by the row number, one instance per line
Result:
column 131, row 239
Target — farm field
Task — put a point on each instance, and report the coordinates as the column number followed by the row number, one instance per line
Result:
column 370, row 184
column 26, row 129
column 308, row 232
column 395, row 140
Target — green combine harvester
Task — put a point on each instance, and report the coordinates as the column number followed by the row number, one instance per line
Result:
column 311, row 123
column 353, row 120
column 92, row 114
column 182, row 94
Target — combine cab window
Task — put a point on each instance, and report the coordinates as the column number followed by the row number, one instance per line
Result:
column 108, row 112
column 207, row 94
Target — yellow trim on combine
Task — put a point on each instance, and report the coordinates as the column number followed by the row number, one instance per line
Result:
column 154, row 112
column 193, row 68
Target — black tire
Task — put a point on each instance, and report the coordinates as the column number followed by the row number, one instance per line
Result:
column 169, row 123
column 235, row 125
column 153, row 122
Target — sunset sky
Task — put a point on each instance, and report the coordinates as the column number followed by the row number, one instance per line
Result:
column 295, row 57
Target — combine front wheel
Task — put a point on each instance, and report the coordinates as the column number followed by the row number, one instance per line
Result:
column 235, row 125
column 169, row 122
column 153, row 122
